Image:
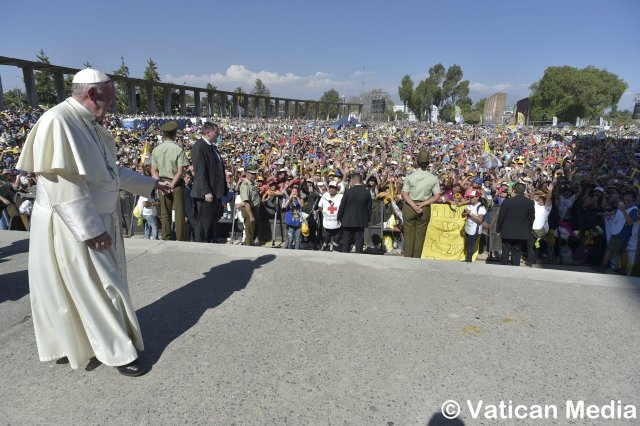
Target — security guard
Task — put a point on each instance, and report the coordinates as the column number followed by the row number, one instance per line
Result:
column 419, row 191
column 167, row 163
column 250, row 195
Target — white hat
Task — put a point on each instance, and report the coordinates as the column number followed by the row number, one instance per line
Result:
column 333, row 183
column 90, row 76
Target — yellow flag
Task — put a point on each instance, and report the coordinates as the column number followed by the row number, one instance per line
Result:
column 520, row 121
column 486, row 146
column 365, row 135
column 146, row 153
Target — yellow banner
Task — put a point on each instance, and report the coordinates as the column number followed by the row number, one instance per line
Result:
column 445, row 234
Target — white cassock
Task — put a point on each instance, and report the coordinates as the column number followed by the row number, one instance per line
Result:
column 79, row 296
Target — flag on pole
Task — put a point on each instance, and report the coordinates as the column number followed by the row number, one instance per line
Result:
column 146, row 153
column 490, row 160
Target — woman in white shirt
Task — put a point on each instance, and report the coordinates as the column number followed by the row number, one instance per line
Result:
column 474, row 213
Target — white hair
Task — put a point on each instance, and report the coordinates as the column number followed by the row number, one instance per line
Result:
column 79, row 89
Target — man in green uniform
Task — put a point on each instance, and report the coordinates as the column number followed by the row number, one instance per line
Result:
column 167, row 163
column 250, row 196
column 420, row 189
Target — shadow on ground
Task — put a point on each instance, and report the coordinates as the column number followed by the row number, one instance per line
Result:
column 14, row 285
column 166, row 319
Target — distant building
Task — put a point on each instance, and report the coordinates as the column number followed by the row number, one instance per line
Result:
column 636, row 108
column 412, row 116
column 494, row 108
column 524, row 107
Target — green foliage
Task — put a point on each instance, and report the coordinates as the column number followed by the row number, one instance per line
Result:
column 567, row 93
column 260, row 89
column 333, row 97
column 617, row 118
column 405, row 90
column 45, row 84
column 15, row 98
column 444, row 88
column 122, row 100
column 216, row 100
column 151, row 73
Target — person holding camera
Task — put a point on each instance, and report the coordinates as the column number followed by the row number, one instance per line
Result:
column 293, row 218
column 474, row 214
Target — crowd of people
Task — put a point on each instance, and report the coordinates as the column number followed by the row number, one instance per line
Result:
column 64, row 171
column 583, row 182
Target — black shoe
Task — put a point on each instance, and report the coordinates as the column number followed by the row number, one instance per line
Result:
column 62, row 361
column 133, row 369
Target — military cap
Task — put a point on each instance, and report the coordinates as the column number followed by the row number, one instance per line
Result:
column 423, row 156
column 169, row 127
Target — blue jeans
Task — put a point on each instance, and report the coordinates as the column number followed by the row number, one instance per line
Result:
column 294, row 235
column 150, row 227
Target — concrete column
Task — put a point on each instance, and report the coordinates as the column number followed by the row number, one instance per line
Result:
column 167, row 92
column 256, row 102
column 360, row 111
column 245, row 105
column 317, row 110
column 277, row 113
column 1, row 95
column 183, row 103
column 30, row 86
column 196, row 101
column 223, row 105
column 59, row 82
column 151, row 107
column 131, row 97
column 234, row 106
column 286, row 108
column 295, row 109
column 306, row 110
column 211, row 100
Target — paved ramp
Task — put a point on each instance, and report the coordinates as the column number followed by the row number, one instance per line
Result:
column 241, row 335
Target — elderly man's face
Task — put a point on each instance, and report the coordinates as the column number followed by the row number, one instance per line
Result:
column 102, row 98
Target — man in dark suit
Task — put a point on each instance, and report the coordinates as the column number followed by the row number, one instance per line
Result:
column 515, row 221
column 209, row 183
column 354, row 213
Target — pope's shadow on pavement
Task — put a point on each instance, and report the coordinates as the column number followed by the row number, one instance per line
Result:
column 166, row 319
column 14, row 285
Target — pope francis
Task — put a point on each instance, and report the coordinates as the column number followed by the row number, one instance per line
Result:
column 77, row 273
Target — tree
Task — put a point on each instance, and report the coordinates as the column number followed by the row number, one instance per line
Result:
column 260, row 89
column 568, row 92
column 216, row 100
column 122, row 99
column 443, row 88
column 45, row 85
column 15, row 98
column 405, row 91
column 332, row 98
column 151, row 73
column 617, row 118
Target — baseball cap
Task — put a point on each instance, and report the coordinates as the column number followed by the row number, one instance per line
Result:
column 333, row 183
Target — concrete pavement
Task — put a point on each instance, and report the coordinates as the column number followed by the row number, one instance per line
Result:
column 242, row 335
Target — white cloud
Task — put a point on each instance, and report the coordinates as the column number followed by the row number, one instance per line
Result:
column 287, row 85
column 363, row 73
column 486, row 88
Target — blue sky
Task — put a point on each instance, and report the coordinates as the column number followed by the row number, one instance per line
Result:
column 301, row 49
